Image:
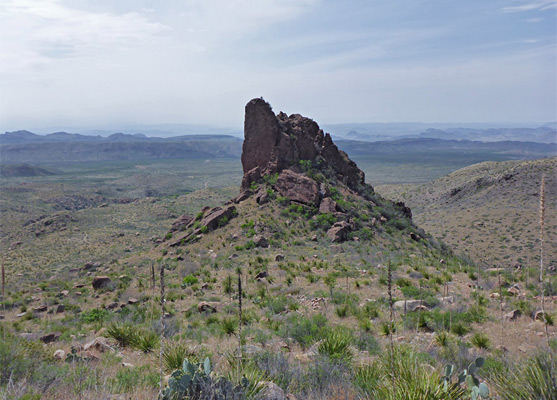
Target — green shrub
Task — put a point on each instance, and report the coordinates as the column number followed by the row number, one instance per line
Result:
column 336, row 346
column 305, row 330
column 175, row 353
column 480, row 340
column 124, row 333
column 94, row 315
column 229, row 325
column 189, row 280
column 460, row 329
column 145, row 340
column 403, row 375
column 530, row 378
column 342, row 311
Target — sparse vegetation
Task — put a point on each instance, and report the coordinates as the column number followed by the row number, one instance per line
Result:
column 317, row 322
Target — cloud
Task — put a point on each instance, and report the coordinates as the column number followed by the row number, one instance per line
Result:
column 538, row 5
column 36, row 32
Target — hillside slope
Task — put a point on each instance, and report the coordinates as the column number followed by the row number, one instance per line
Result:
column 489, row 211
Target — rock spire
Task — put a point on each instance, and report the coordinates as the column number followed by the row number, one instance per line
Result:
column 273, row 143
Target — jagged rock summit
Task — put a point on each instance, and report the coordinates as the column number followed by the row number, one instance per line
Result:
column 290, row 160
column 274, row 143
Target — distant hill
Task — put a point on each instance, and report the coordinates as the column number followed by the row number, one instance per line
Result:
column 427, row 149
column 15, row 170
column 544, row 134
column 374, row 132
column 26, row 147
column 489, row 210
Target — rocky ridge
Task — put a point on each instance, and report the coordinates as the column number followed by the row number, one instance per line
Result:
column 291, row 157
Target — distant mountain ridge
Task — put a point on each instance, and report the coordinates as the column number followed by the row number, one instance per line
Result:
column 26, row 147
column 373, row 132
column 22, row 137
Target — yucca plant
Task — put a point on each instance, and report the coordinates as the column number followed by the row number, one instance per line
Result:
column 480, row 340
column 402, row 376
column 245, row 374
column 146, row 340
column 336, row 346
column 123, row 332
column 528, row 379
column 175, row 353
column 229, row 325
column 443, row 339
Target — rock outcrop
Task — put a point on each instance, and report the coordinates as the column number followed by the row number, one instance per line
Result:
column 274, row 143
column 298, row 187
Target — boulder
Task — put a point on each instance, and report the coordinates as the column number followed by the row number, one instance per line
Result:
column 411, row 305
column 244, row 195
column 262, row 197
column 91, row 265
column 60, row 308
column 41, row 308
column 112, row 306
column 50, row 337
column 100, row 282
column 261, row 275
column 511, row 316
column 59, row 355
column 100, row 344
column 206, row 307
column 260, row 241
column 181, row 223
column 446, row 300
column 327, row 205
column 339, row 231
column 514, row 290
column 297, row 187
column 271, row 391
column 216, row 216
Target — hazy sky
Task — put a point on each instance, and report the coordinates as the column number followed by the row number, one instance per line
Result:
column 109, row 63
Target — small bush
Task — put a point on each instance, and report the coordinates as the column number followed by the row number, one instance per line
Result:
column 189, row 280
column 97, row 314
column 229, row 325
column 174, row 355
column 305, row 330
column 480, row 340
column 336, row 346
column 124, row 333
column 146, row 340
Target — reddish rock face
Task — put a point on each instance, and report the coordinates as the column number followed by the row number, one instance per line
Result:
column 339, row 231
column 274, row 143
column 298, row 187
column 328, row 205
column 181, row 223
column 214, row 217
